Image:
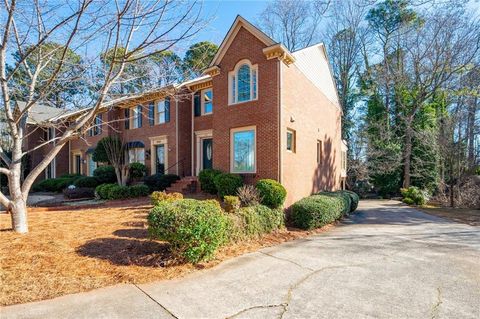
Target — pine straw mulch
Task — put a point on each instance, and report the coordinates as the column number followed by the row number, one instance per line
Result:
column 468, row 216
column 78, row 249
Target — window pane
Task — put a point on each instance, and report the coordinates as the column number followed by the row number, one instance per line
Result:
column 233, row 89
column 161, row 111
column 244, row 151
column 289, row 141
column 254, row 84
column 243, row 83
column 160, row 158
column 207, row 102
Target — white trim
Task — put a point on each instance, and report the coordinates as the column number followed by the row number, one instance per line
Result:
column 232, row 157
column 202, row 102
column 157, row 140
column 232, row 33
column 72, row 159
column 192, row 142
column 294, row 140
column 233, row 100
column 199, row 136
column 176, row 135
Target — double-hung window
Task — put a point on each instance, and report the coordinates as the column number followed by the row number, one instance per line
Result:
column 243, row 150
column 243, row 82
column 163, row 111
column 207, row 101
column 137, row 117
column 97, row 126
column 136, row 155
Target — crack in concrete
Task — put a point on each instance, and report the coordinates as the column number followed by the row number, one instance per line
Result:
column 287, row 260
column 162, row 306
column 436, row 306
column 256, row 307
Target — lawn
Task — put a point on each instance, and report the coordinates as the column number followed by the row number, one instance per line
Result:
column 459, row 215
column 79, row 249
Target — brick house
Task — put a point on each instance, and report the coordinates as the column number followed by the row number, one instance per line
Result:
column 258, row 110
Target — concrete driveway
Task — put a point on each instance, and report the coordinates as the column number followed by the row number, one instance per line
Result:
column 386, row 261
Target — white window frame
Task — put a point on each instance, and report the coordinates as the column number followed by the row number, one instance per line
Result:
column 233, row 78
column 135, row 114
column 135, row 158
column 89, row 167
column 202, row 94
column 294, row 140
column 157, row 112
column 232, row 151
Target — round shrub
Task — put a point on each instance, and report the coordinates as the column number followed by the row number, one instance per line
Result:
column 160, row 182
column 227, row 184
column 408, row 201
column 272, row 193
column 86, row 181
column 316, row 211
column 346, row 200
column 139, row 190
column 417, row 196
column 137, row 170
column 195, row 229
column 354, row 199
column 207, row 180
column 105, row 174
column 253, row 221
column 118, row 192
column 103, row 190
column 158, row 197
column 55, row 184
column 232, row 203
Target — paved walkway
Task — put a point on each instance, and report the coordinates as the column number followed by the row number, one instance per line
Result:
column 387, row 261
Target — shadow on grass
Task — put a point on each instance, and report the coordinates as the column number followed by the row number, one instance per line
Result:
column 136, row 233
column 127, row 252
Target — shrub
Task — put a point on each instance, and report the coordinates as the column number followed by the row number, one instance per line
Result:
column 103, row 190
column 139, row 190
column 73, row 176
column 253, row 221
column 195, row 229
column 272, row 193
column 477, row 171
column 232, row 203
column 316, row 211
column 160, row 182
column 79, row 192
column 408, row 201
column 248, row 195
column 53, row 184
column 354, row 199
column 207, row 180
column 86, row 181
column 227, row 184
column 118, row 192
column 158, row 197
column 105, row 174
column 417, row 196
column 137, row 170
column 346, row 200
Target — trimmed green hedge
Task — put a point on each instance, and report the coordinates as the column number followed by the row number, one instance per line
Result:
column 254, row 221
column 272, row 193
column 317, row 211
column 195, row 229
column 227, row 184
column 207, row 180
column 86, row 181
column 105, row 174
column 115, row 191
column 139, row 190
column 56, row 184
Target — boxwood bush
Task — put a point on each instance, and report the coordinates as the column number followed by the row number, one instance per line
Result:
column 346, row 200
column 160, row 182
column 103, row 190
column 227, row 184
column 354, row 199
column 79, row 193
column 55, row 184
column 158, row 197
column 316, row 211
column 105, row 174
column 139, row 190
column 86, row 181
column 137, row 170
column 207, row 180
column 195, row 229
column 414, row 195
column 272, row 193
column 118, row 192
column 253, row 221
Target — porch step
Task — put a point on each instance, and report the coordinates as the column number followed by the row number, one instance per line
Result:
column 185, row 185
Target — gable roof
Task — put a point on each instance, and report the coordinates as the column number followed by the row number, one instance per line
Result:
column 239, row 22
column 40, row 113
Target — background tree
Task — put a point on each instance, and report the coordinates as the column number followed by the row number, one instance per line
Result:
column 131, row 30
column 198, row 57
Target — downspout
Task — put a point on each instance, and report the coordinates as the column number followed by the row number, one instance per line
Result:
column 192, row 137
column 279, row 89
column 176, row 133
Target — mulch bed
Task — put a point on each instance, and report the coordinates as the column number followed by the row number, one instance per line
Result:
column 74, row 249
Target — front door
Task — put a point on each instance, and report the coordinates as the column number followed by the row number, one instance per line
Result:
column 78, row 164
column 160, row 159
column 207, row 153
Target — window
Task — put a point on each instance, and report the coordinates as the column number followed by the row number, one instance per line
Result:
column 163, row 111
column 160, row 158
column 92, row 165
column 291, row 140
column 136, row 155
column 243, row 83
column 137, row 117
column 97, row 126
column 243, row 149
column 319, row 152
column 344, row 160
column 49, row 134
column 207, row 101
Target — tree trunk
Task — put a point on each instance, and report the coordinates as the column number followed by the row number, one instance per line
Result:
column 407, row 154
column 472, row 110
column 18, row 211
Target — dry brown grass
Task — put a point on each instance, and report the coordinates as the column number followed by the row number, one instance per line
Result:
column 460, row 215
column 74, row 250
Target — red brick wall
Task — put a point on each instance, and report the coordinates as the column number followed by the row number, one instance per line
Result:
column 315, row 118
column 263, row 113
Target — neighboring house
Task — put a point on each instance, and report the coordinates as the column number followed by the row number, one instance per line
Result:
column 259, row 111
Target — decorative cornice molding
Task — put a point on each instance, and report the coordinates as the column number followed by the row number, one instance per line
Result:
column 201, row 86
column 212, row 71
column 278, row 51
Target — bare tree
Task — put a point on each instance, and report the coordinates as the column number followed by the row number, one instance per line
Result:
column 140, row 28
column 293, row 23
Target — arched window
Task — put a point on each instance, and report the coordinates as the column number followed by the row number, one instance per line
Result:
column 243, row 82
